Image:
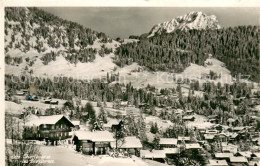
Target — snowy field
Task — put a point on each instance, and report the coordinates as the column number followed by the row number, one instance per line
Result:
column 103, row 65
column 63, row 156
column 199, row 122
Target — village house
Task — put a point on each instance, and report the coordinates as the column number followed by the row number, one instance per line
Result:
column 188, row 118
column 218, row 163
column 189, row 112
column 97, row 142
column 130, row 144
column 255, row 159
column 239, row 129
column 157, row 155
column 229, row 148
column 76, row 123
column 171, row 152
column 209, row 137
column 238, row 161
column 225, row 156
column 51, row 128
column 192, row 146
column 109, row 125
column 223, row 137
column 185, row 139
column 168, row 142
column 213, row 118
column 211, row 131
column 233, row 137
column 246, row 154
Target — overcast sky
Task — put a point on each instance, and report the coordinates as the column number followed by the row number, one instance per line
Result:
column 125, row 21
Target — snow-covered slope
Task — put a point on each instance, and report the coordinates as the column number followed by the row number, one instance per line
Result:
column 42, row 44
column 192, row 20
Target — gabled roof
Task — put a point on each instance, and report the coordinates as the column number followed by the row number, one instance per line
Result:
column 218, row 163
column 171, row 150
column 209, row 136
column 168, row 141
column 188, row 117
column 257, row 154
column 76, row 122
column 183, row 138
column 192, row 146
column 53, row 119
column 238, row 160
column 223, row 155
column 239, row 128
column 245, row 154
column 96, row 136
column 129, row 142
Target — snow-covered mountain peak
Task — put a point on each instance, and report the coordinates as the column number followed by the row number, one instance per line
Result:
column 192, row 20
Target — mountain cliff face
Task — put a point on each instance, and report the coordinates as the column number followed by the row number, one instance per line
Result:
column 192, row 20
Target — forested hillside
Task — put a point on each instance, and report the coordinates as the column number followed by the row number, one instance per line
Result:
column 32, row 31
column 237, row 47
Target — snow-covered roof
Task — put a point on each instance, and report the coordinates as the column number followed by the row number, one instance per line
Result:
column 209, row 136
column 257, row 154
column 253, row 163
column 233, row 135
column 239, row 128
column 192, row 146
column 38, row 120
column 96, row 136
column 211, row 131
column 168, row 141
column 218, row 163
column 180, row 138
column 76, row 122
column 129, row 142
column 188, row 117
column 245, row 154
column 171, row 150
column 238, row 159
column 189, row 111
column 223, row 155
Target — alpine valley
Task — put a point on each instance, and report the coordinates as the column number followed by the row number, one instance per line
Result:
column 185, row 93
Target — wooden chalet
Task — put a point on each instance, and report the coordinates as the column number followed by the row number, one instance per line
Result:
column 97, row 142
column 131, row 144
column 50, row 128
